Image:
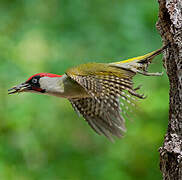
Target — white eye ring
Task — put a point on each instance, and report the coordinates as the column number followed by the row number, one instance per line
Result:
column 34, row 81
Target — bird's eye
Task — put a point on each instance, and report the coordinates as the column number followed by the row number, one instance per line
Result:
column 34, row 81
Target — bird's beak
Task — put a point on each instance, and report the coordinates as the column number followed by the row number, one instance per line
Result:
column 20, row 88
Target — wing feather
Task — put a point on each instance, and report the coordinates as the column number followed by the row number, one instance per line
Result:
column 102, row 109
column 103, row 117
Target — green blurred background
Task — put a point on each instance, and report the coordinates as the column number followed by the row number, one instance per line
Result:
column 42, row 137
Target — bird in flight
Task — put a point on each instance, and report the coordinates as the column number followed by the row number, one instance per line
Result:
column 100, row 92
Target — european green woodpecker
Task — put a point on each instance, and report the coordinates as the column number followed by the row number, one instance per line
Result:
column 95, row 90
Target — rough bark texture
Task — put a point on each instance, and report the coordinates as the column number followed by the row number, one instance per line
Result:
column 170, row 28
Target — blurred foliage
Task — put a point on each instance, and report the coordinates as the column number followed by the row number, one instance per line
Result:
column 42, row 137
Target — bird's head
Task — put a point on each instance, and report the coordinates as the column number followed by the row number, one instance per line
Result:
column 38, row 83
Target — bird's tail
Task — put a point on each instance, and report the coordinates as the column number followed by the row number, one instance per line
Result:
column 140, row 64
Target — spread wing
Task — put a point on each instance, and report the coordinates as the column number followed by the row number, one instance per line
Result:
column 102, row 109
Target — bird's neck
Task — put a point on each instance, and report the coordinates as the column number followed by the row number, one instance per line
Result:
column 63, row 87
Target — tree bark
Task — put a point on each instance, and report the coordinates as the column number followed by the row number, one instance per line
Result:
column 170, row 28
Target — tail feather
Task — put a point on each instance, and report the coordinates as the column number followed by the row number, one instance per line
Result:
column 148, row 56
column 140, row 64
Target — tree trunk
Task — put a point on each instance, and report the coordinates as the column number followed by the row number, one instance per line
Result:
column 170, row 28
